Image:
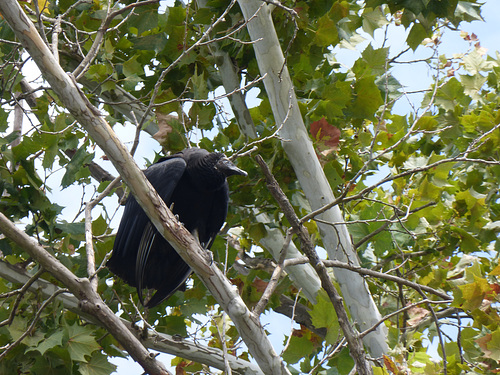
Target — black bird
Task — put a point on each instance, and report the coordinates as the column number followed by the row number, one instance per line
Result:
column 193, row 184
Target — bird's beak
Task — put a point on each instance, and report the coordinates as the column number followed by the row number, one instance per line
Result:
column 228, row 168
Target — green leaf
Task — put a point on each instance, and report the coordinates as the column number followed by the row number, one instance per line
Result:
column 332, row 174
column 299, row 347
column 374, row 20
column 51, row 151
column 4, row 124
column 327, row 33
column 98, row 365
column 468, row 11
column 475, row 63
column 9, row 138
column 50, row 342
column 416, row 36
column 323, row 315
column 367, row 98
column 474, row 293
column 200, row 88
column 146, row 19
column 71, row 228
column 337, row 97
column 132, row 67
column 80, row 342
column 427, row 123
column 153, row 42
column 473, row 85
column 451, row 94
column 77, row 162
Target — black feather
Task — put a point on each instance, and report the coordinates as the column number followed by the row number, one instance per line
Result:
column 194, row 182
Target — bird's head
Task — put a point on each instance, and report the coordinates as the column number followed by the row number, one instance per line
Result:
column 209, row 170
column 227, row 167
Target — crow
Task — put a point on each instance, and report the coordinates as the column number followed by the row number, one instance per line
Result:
column 193, row 184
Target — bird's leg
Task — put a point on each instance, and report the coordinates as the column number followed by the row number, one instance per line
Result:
column 210, row 255
column 145, row 317
column 172, row 209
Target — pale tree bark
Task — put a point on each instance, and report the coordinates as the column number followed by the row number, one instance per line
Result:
column 89, row 117
column 302, row 156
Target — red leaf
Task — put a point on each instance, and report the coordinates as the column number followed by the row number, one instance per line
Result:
column 322, row 131
column 260, row 285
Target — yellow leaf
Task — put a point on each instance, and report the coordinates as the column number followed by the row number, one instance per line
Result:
column 495, row 271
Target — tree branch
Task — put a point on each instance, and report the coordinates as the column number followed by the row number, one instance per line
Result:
column 353, row 340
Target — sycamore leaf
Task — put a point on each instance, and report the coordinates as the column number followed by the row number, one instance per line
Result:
column 98, row 365
column 495, row 271
column 77, row 162
column 367, row 98
column 490, row 345
column 164, row 127
column 80, row 342
column 417, row 314
column 323, row 315
column 416, row 36
column 328, row 134
column 51, row 341
column 327, row 33
column 133, row 67
column 474, row 293
column 300, row 346
column 374, row 20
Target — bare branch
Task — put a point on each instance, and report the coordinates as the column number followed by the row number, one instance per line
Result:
column 355, row 345
column 367, row 272
column 275, row 277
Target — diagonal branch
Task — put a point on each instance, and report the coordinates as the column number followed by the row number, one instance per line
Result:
column 355, row 344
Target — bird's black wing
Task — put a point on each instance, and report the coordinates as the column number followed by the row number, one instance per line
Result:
column 218, row 215
column 154, row 251
column 164, row 176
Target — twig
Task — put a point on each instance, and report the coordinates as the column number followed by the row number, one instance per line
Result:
column 29, row 330
column 368, row 272
column 399, row 311
column 293, row 320
column 89, row 246
column 55, row 38
column 330, row 354
column 273, row 282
